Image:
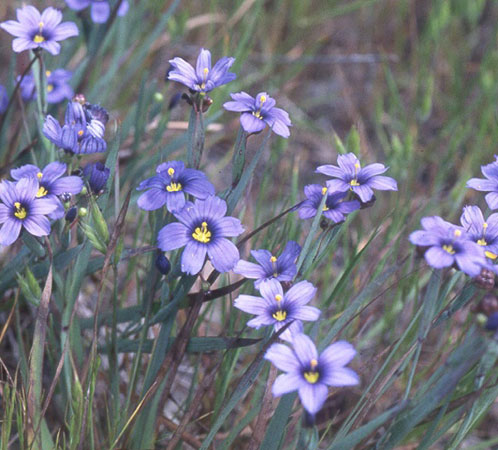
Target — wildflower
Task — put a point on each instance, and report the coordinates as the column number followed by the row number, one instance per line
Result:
column 81, row 132
column 58, row 88
column 96, row 175
column 21, row 208
column 269, row 266
column 204, row 78
column 278, row 309
column 169, row 186
column 484, row 233
column 259, row 112
column 334, row 209
column 350, row 176
column 489, row 184
column 100, row 9
column 203, row 228
column 51, row 183
column 448, row 244
column 310, row 373
column 4, row 99
column 34, row 30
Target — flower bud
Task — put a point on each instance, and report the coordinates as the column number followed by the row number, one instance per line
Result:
column 158, row 97
column 82, row 212
column 492, row 323
column 162, row 263
column 71, row 214
column 66, row 197
column 97, row 175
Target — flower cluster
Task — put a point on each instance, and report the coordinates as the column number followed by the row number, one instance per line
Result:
column 100, row 10
column 58, row 88
column 471, row 246
column 83, row 129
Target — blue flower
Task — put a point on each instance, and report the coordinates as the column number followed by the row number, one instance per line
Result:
column 58, row 88
column 96, row 175
column 204, row 78
column 310, row 373
column 51, row 183
column 484, row 233
column 203, row 229
column 281, row 268
column 259, row 112
column 34, row 30
column 100, row 9
column 488, row 184
column 277, row 308
column 350, row 176
column 334, row 209
column 448, row 244
column 20, row 208
column 81, row 133
column 169, row 186
column 4, row 99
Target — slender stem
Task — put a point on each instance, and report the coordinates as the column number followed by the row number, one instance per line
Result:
column 16, row 88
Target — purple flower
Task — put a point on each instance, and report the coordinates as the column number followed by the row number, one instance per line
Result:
column 21, row 208
column 310, row 373
column 100, row 9
column 448, row 244
column 51, row 183
column 204, row 78
column 488, row 184
column 352, row 177
column 34, row 30
column 282, row 268
column 278, row 309
column 203, row 228
column 97, row 175
column 4, row 99
column 259, row 112
column 169, row 186
column 334, row 209
column 484, row 233
column 81, row 133
column 58, row 88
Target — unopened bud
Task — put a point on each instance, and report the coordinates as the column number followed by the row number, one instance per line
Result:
column 162, row 263
column 82, row 212
column 71, row 214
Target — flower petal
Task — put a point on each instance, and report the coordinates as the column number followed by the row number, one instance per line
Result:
column 10, row 231
column 37, row 225
column 193, row 257
column 286, row 383
column 283, row 358
column 223, row 254
column 313, row 396
column 300, row 294
column 172, row 236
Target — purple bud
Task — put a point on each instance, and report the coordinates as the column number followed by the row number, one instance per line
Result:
column 96, row 174
column 162, row 263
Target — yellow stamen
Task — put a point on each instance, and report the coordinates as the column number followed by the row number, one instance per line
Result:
column 50, row 88
column 313, row 363
column 490, row 255
column 278, row 298
column 38, row 39
column 449, row 249
column 354, row 182
column 482, row 242
column 48, row 73
column 202, row 234
column 262, row 99
column 206, row 71
column 42, row 192
column 171, row 171
column 39, row 175
column 20, row 212
column 485, row 225
column 457, row 233
column 311, row 377
column 273, row 259
column 41, row 25
column 279, row 315
column 324, row 190
column 325, row 208
column 174, row 187
column 80, row 133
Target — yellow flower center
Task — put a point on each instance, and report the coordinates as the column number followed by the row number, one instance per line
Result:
column 449, row 249
column 174, row 187
column 38, row 39
column 171, row 171
column 279, row 315
column 41, row 192
column 20, row 211
column 257, row 113
column 50, row 88
column 354, row 183
column 312, row 375
column 482, row 242
column 202, row 234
